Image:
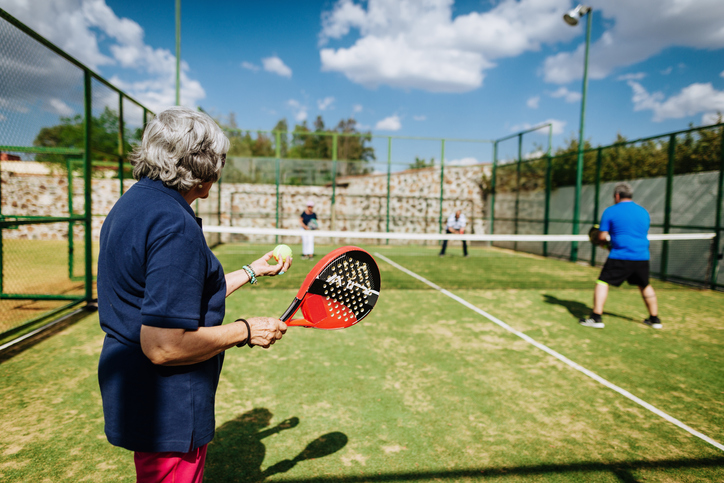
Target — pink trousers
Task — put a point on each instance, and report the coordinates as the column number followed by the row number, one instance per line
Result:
column 170, row 467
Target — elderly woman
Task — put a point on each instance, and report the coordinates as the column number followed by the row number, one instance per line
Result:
column 161, row 298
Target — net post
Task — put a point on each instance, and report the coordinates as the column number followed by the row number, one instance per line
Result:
column 718, row 222
column 492, row 188
column 667, row 205
column 2, row 247
column 121, row 143
column 277, row 170
column 389, row 174
column 596, row 205
column 88, row 112
column 442, row 180
column 334, row 178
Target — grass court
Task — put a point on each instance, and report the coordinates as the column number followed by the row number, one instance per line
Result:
column 424, row 389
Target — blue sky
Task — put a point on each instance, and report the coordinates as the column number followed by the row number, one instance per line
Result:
column 463, row 69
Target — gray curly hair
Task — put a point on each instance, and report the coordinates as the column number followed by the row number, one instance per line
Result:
column 182, row 148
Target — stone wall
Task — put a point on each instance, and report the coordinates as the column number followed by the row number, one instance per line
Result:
column 360, row 202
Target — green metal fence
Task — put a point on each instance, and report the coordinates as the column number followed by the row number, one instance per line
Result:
column 677, row 177
column 359, row 182
column 78, row 128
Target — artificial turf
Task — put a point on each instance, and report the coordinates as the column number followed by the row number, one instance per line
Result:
column 424, row 389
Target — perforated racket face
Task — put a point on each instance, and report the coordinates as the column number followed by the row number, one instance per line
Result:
column 344, row 292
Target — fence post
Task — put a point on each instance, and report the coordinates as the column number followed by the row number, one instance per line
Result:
column 389, row 174
column 71, row 247
column 667, row 205
column 334, row 177
column 87, row 161
column 121, row 142
column 442, row 180
column 492, row 188
column 596, row 206
column 718, row 221
column 547, row 208
column 277, row 168
column 517, row 188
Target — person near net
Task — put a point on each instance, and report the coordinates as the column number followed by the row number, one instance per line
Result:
column 627, row 224
column 308, row 220
column 161, row 302
column 456, row 225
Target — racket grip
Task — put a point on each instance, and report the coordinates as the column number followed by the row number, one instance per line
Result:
column 291, row 310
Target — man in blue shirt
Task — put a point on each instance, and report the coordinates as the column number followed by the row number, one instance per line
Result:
column 628, row 225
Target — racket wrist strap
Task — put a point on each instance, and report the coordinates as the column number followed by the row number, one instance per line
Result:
column 248, row 334
column 250, row 272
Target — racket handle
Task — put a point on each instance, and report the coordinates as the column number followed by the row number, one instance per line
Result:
column 291, row 310
column 299, row 323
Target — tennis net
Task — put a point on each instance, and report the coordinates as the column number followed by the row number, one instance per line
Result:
column 492, row 261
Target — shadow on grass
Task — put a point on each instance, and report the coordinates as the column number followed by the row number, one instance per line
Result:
column 578, row 309
column 584, row 471
column 63, row 323
column 236, row 454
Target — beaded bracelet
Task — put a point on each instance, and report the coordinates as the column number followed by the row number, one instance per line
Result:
column 250, row 272
column 248, row 334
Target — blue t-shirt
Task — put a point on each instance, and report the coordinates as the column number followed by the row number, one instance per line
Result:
column 628, row 225
column 155, row 269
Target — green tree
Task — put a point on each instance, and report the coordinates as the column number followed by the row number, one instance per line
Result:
column 70, row 133
column 421, row 163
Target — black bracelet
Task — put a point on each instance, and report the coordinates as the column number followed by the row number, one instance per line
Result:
column 248, row 332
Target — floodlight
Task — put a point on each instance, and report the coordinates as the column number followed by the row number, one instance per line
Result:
column 572, row 16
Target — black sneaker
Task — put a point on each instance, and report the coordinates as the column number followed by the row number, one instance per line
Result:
column 591, row 322
column 654, row 324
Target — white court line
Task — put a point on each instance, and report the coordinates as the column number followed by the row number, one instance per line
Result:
column 558, row 356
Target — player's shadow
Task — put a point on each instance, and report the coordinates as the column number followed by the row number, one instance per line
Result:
column 578, row 309
column 237, row 453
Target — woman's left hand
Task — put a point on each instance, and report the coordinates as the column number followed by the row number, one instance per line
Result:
column 262, row 268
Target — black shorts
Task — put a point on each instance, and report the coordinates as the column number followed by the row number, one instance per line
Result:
column 635, row 272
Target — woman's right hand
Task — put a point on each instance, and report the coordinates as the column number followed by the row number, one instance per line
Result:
column 265, row 331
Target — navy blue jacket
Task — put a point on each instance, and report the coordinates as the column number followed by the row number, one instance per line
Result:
column 155, row 269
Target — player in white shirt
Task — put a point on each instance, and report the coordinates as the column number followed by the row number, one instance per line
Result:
column 455, row 225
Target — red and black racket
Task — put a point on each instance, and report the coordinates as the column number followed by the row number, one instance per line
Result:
column 341, row 290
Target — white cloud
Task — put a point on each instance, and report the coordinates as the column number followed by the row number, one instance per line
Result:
column 711, row 118
column 557, row 127
column 77, row 26
column 632, row 76
column 275, row 65
column 416, row 44
column 3, row 118
column 357, row 108
column 533, row 102
column 667, row 71
column 722, row 74
column 693, row 99
column 639, row 30
column 419, row 118
column 391, row 123
column 467, row 161
column 566, row 94
column 299, row 110
column 59, row 107
column 326, row 103
column 250, row 66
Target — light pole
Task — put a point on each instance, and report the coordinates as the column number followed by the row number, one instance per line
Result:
column 178, row 52
column 571, row 18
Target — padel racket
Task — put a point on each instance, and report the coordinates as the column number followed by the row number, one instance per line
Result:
column 594, row 239
column 341, row 290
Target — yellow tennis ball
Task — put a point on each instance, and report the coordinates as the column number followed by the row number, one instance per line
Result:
column 281, row 252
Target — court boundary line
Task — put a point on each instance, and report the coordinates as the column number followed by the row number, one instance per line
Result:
column 557, row 355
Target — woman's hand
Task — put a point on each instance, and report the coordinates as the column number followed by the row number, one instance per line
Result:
column 262, row 268
column 265, row 331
